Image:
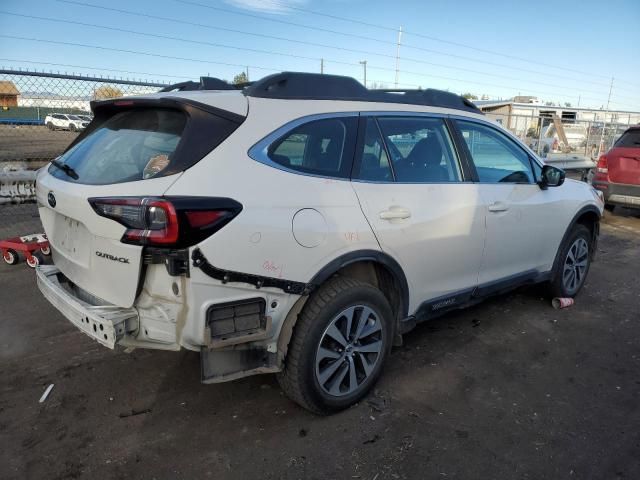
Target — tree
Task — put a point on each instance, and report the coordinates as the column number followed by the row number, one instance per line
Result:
column 106, row 91
column 567, row 104
column 240, row 78
column 470, row 96
column 548, row 104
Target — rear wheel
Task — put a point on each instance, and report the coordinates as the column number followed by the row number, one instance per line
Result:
column 573, row 264
column 10, row 256
column 339, row 346
column 46, row 250
column 609, row 207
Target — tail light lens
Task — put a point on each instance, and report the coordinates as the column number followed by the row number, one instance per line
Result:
column 602, row 166
column 174, row 222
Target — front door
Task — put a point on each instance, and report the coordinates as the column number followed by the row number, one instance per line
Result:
column 412, row 191
column 519, row 212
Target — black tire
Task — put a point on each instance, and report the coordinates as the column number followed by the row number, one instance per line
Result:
column 558, row 285
column 50, row 125
column 11, row 257
column 609, row 207
column 299, row 378
column 72, row 128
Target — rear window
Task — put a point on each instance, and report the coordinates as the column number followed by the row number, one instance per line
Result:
column 131, row 145
column 629, row 139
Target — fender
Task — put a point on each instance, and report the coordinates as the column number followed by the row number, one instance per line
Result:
column 574, row 220
column 372, row 256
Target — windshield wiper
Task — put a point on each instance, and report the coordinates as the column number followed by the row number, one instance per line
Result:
column 66, row 169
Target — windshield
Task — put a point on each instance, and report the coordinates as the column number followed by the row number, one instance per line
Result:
column 73, row 117
column 132, row 145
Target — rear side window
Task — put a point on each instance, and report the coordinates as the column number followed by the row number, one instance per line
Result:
column 321, row 147
column 131, row 145
column 629, row 139
column 421, row 150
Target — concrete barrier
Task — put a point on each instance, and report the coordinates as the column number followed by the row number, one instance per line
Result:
column 18, row 187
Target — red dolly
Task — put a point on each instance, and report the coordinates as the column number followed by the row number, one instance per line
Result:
column 29, row 245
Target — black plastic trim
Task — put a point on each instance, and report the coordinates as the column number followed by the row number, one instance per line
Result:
column 314, row 86
column 226, row 276
column 368, row 255
column 176, row 261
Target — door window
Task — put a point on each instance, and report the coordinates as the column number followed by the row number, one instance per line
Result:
column 497, row 158
column 321, row 147
column 421, row 150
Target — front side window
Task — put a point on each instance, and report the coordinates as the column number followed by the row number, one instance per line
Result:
column 497, row 158
column 321, row 147
column 421, row 150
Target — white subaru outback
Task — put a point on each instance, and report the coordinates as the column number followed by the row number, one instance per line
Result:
column 300, row 225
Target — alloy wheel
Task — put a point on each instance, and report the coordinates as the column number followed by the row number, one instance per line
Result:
column 575, row 265
column 349, row 350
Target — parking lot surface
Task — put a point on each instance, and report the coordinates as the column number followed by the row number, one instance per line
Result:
column 508, row 389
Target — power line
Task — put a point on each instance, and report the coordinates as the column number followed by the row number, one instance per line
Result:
column 298, row 41
column 258, row 67
column 149, row 74
column 428, row 37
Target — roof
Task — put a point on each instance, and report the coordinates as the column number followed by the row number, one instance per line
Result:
column 8, row 88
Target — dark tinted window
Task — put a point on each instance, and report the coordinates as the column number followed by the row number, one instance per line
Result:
column 321, row 147
column 374, row 163
column 629, row 139
column 421, row 149
column 497, row 158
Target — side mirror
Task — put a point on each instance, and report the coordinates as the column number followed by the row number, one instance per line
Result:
column 551, row 177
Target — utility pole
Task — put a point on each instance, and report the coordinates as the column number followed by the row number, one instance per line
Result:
column 322, row 65
column 364, row 64
column 247, row 73
column 604, row 122
column 398, row 55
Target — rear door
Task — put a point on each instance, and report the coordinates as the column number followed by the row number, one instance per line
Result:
column 424, row 214
column 623, row 160
column 133, row 149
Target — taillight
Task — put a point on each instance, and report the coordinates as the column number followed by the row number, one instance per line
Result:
column 602, row 166
column 167, row 221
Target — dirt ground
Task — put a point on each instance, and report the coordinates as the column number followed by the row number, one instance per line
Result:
column 32, row 145
column 509, row 389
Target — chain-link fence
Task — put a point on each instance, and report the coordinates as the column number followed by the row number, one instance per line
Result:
column 40, row 115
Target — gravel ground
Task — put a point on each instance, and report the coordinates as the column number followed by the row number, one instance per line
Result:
column 507, row 389
column 32, row 144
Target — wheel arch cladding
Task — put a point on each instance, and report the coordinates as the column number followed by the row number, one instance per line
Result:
column 589, row 216
column 373, row 267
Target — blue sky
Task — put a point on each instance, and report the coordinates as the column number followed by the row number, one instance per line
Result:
column 562, row 51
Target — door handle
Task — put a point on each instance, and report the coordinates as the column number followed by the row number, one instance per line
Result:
column 498, row 207
column 395, row 213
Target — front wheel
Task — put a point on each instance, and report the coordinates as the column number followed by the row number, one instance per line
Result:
column 573, row 263
column 339, row 346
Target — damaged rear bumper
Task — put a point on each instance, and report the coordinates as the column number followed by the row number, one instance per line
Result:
column 106, row 324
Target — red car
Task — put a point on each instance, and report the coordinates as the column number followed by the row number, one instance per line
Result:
column 618, row 171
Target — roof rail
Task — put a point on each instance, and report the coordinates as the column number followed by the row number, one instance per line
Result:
column 206, row 83
column 317, row 86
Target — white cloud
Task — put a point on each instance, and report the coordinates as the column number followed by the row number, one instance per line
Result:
column 267, row 6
